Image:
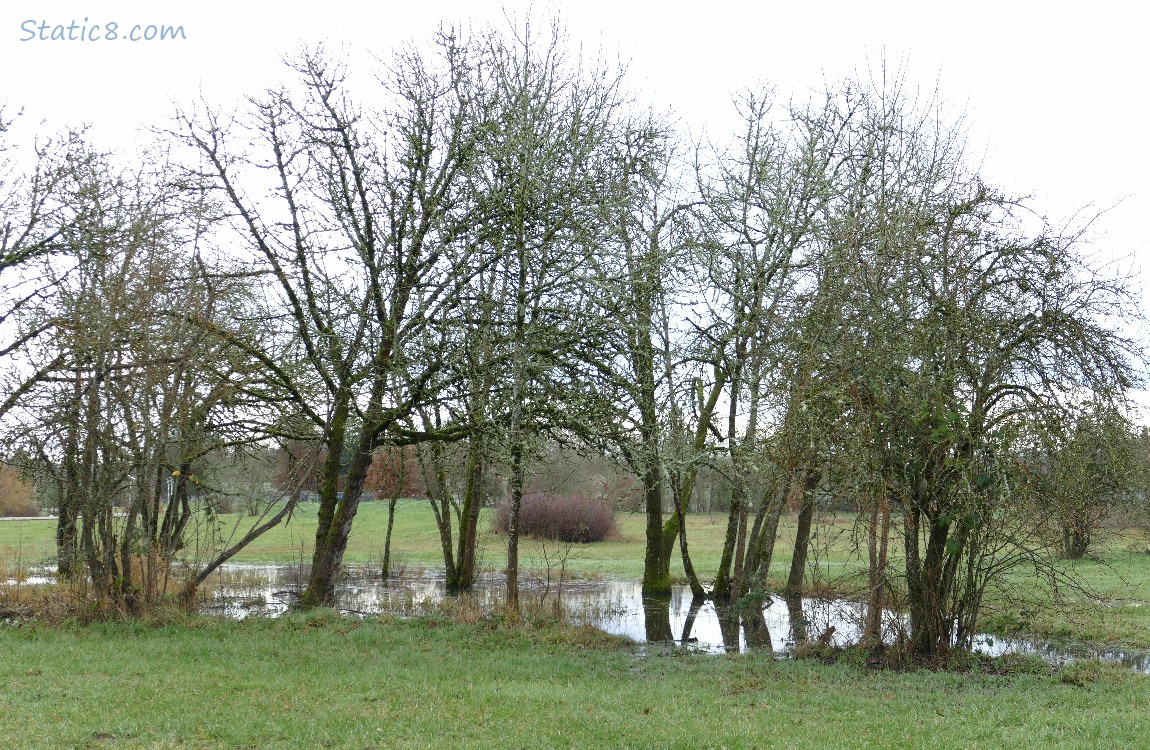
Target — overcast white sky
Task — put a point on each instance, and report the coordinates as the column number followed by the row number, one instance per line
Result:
column 1055, row 93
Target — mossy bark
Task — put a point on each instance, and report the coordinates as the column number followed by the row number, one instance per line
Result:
column 794, row 586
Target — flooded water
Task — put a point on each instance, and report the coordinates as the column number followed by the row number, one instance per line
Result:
column 36, row 579
column 618, row 607
column 1062, row 653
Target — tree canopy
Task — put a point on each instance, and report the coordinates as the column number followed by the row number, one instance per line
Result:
column 429, row 281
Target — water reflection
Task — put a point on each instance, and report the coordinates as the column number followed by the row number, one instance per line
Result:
column 689, row 621
column 1063, row 653
column 755, row 629
column 798, row 621
column 618, row 607
column 657, row 619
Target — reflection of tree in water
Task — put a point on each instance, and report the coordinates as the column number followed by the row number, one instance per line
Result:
column 657, row 618
column 755, row 627
column 728, row 625
column 689, row 623
column 797, row 618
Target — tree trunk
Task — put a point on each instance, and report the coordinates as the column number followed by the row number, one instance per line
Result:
column 438, row 494
column 469, row 519
column 683, row 486
column 755, row 628
column 723, row 586
column 697, row 591
column 794, row 586
column 740, row 552
column 328, row 557
column 729, row 622
column 67, row 557
column 320, row 591
column 797, row 618
column 1075, row 534
column 657, row 619
column 656, row 576
column 761, row 542
column 670, row 535
column 513, row 525
column 878, row 538
column 689, row 621
column 930, row 628
column 386, row 567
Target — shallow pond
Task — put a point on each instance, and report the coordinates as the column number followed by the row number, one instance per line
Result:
column 617, row 607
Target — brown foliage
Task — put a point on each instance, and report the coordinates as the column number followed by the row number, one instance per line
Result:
column 299, row 463
column 394, row 472
column 568, row 519
column 16, row 498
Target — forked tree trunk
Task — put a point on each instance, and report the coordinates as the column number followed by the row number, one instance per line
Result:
column 438, row 494
column 683, row 486
column 469, row 519
column 327, row 560
column 927, row 594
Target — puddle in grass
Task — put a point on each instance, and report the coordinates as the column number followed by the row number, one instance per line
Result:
column 618, row 607
column 38, row 579
column 1061, row 652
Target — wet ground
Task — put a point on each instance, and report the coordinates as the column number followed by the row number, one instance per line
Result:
column 617, row 607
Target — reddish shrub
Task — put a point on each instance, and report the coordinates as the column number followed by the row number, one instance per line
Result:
column 394, row 472
column 568, row 519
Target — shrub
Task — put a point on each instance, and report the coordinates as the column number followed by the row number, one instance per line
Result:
column 568, row 519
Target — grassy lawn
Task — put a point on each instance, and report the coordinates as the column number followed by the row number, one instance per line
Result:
column 317, row 680
column 26, row 543
column 415, row 542
column 314, row 680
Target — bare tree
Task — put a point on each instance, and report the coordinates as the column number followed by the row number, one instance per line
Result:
column 767, row 205
column 649, row 212
column 129, row 385
column 361, row 242
column 963, row 320
column 544, row 162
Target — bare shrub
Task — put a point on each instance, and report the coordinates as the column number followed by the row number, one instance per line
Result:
column 568, row 519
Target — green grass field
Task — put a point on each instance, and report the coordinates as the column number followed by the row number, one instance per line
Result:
column 315, row 680
column 318, row 680
column 415, row 542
